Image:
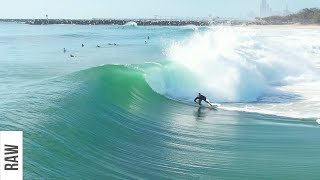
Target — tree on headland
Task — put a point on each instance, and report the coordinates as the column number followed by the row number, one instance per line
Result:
column 305, row 16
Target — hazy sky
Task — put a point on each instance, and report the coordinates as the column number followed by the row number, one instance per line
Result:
column 140, row 8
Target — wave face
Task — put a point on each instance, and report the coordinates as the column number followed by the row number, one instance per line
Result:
column 118, row 86
column 107, row 122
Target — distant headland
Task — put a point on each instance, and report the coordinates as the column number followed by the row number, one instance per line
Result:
column 305, row 16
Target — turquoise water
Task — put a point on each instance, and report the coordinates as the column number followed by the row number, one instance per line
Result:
column 107, row 114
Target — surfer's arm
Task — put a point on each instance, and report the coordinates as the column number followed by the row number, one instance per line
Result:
column 195, row 100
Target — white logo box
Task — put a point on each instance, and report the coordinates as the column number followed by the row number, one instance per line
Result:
column 11, row 155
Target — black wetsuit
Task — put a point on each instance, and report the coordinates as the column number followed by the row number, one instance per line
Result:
column 201, row 98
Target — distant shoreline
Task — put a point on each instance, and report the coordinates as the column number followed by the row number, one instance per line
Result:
column 305, row 17
column 155, row 22
column 296, row 26
column 139, row 22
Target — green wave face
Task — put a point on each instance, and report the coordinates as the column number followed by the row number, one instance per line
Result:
column 106, row 120
column 108, row 123
column 118, row 86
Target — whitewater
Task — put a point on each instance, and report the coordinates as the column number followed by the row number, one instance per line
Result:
column 245, row 69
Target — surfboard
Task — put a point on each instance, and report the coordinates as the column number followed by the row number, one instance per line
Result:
column 214, row 106
column 204, row 105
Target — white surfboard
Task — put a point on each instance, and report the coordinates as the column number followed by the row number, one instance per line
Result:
column 213, row 106
column 204, row 105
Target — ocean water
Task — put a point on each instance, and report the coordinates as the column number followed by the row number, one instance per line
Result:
column 126, row 112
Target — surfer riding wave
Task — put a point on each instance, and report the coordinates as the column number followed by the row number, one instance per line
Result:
column 201, row 97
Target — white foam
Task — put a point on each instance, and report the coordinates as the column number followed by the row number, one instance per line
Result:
column 131, row 23
column 269, row 67
column 237, row 65
column 190, row 26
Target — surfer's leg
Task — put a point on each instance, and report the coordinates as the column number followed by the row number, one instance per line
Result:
column 200, row 101
column 208, row 102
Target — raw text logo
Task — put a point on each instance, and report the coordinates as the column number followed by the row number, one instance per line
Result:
column 11, row 155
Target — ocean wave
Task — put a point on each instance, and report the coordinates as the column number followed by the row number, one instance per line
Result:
column 172, row 84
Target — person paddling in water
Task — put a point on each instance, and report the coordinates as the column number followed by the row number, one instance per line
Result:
column 201, row 97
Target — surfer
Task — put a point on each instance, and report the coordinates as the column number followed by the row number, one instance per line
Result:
column 202, row 98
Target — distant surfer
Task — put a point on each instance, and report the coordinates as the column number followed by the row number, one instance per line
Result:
column 72, row 55
column 201, row 97
column 82, row 45
column 64, row 50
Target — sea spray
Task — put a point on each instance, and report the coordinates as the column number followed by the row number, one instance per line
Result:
column 131, row 23
column 230, row 65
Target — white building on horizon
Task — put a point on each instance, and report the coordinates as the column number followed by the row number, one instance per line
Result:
column 286, row 12
column 265, row 9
